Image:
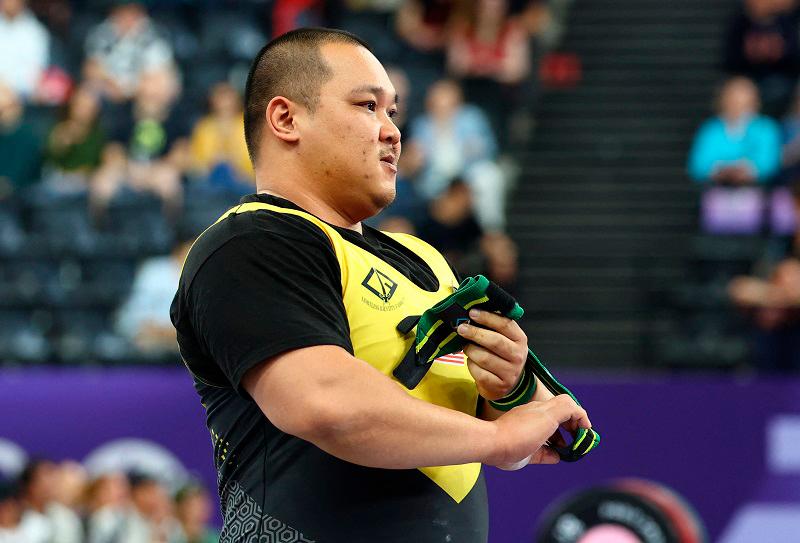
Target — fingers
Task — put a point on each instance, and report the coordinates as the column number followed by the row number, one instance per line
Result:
column 565, row 410
column 507, row 373
column 504, row 337
column 503, row 325
column 490, row 386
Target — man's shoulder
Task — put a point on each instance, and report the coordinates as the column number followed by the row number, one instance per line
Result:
column 238, row 233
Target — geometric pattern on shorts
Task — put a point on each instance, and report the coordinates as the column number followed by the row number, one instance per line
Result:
column 244, row 522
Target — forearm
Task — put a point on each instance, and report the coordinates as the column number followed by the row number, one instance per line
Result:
column 352, row 411
column 395, row 430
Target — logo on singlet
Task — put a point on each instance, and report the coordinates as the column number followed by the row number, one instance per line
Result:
column 380, row 285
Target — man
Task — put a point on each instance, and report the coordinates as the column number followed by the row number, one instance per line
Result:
column 286, row 314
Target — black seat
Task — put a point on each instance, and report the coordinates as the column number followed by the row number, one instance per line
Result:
column 21, row 339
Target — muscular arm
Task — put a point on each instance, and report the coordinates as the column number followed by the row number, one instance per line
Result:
column 347, row 408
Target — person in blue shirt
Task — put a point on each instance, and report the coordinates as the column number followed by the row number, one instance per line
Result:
column 737, row 146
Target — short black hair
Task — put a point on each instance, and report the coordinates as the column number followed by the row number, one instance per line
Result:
column 291, row 66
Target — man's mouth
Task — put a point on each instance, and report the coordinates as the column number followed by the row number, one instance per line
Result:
column 390, row 161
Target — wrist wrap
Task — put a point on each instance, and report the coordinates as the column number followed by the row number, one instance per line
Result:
column 436, row 336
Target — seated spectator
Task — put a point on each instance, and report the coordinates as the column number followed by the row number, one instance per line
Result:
column 194, row 508
column 44, row 519
column 451, row 226
column 10, row 513
column 738, row 146
column 144, row 317
column 488, row 43
column 149, row 144
column 20, row 150
column 762, row 43
column 75, row 145
column 122, row 48
column 151, row 518
column 424, row 24
column 25, row 44
column 107, row 507
column 70, row 484
column 218, row 147
column 488, row 51
column 454, row 139
column 773, row 305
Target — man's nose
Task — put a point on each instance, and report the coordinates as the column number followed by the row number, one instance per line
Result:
column 390, row 133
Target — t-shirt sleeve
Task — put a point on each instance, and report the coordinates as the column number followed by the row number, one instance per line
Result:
column 262, row 294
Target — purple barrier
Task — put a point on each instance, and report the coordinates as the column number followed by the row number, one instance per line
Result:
column 704, row 437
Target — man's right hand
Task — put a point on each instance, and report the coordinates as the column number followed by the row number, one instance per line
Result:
column 522, row 433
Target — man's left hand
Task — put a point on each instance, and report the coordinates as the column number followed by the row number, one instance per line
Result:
column 496, row 354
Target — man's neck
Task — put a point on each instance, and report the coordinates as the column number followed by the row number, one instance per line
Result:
column 316, row 206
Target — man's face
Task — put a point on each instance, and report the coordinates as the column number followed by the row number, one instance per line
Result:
column 350, row 144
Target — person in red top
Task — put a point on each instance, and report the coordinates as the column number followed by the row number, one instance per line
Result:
column 489, row 50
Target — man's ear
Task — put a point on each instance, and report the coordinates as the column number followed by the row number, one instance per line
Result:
column 280, row 117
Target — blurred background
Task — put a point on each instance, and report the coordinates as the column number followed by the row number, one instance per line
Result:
column 628, row 169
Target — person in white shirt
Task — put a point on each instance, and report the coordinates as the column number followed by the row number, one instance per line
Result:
column 25, row 43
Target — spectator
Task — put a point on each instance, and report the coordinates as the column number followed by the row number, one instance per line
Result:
column 452, row 227
column 218, row 147
column 149, row 144
column 193, row 509
column 773, row 304
column 144, row 317
column 24, row 43
column 424, row 24
column 107, row 507
column 70, row 485
column 20, row 150
column 762, row 43
column 488, row 50
column 454, row 139
column 43, row 518
column 75, row 144
column 10, row 514
column 122, row 48
column 487, row 42
column 151, row 518
column 738, row 146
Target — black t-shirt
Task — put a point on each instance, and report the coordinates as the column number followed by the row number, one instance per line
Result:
column 256, row 285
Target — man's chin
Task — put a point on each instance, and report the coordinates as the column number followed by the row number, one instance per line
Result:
column 382, row 201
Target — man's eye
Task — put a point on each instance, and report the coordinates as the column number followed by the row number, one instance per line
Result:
column 392, row 113
column 372, row 106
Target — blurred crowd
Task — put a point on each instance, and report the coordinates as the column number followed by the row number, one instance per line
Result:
column 121, row 137
column 746, row 159
column 59, row 502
